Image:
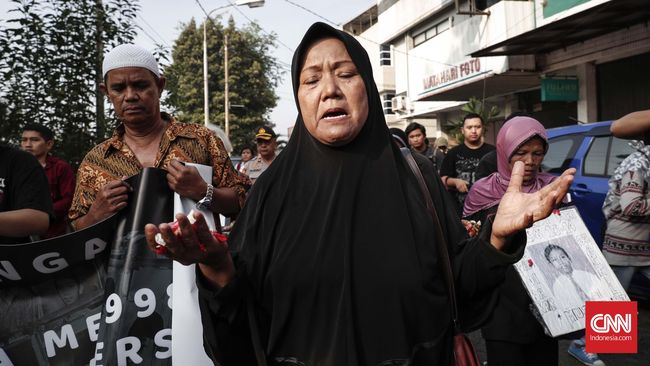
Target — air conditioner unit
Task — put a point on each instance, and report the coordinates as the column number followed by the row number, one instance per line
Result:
column 399, row 104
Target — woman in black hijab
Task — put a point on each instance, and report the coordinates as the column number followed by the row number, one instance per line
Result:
column 335, row 247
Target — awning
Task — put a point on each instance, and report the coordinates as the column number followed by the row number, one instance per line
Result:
column 432, row 110
column 601, row 19
column 489, row 84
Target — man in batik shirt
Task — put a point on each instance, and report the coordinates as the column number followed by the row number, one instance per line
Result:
column 148, row 138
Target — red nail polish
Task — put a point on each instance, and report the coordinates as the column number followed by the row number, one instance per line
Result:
column 219, row 236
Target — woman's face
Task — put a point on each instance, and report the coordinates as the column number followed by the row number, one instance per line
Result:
column 331, row 94
column 246, row 155
column 532, row 154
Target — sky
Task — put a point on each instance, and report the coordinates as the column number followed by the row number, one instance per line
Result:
column 160, row 21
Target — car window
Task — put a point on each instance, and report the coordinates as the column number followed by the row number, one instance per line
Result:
column 620, row 150
column 561, row 150
column 605, row 154
column 596, row 158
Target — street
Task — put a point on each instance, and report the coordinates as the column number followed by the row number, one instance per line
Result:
column 642, row 358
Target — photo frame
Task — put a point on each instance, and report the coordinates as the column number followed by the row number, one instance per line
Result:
column 562, row 268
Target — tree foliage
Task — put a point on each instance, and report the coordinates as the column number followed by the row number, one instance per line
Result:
column 56, row 48
column 253, row 76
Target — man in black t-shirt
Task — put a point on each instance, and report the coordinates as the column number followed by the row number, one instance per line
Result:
column 25, row 203
column 458, row 171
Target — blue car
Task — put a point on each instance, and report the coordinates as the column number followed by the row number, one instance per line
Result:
column 595, row 153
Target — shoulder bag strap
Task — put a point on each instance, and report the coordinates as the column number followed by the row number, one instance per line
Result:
column 441, row 242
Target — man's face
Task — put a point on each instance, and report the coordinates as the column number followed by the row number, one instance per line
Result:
column 472, row 130
column 560, row 261
column 266, row 148
column 416, row 139
column 35, row 144
column 135, row 95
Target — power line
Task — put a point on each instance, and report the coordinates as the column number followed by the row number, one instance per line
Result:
column 154, row 30
column 262, row 28
column 203, row 9
column 362, row 37
column 155, row 41
column 312, row 12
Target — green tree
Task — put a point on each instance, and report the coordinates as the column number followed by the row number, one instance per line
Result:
column 53, row 74
column 253, row 76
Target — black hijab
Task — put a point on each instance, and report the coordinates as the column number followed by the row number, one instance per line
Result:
column 339, row 249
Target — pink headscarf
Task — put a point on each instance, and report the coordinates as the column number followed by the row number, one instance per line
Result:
column 487, row 192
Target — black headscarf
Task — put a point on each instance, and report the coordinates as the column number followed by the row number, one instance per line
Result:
column 339, row 249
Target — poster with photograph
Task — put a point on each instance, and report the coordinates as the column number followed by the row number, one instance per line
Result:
column 562, row 268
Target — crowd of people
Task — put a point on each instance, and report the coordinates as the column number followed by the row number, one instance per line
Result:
column 333, row 251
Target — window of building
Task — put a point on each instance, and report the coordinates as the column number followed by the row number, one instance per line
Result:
column 384, row 55
column 427, row 33
column 386, row 102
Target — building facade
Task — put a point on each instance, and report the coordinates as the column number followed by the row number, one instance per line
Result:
column 562, row 61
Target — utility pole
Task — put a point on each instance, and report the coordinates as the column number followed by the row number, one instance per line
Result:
column 100, row 122
column 225, row 81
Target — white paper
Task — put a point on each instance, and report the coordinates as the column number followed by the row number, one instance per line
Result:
column 560, row 284
column 187, row 330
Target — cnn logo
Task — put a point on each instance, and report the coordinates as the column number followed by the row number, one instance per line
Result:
column 611, row 326
column 606, row 323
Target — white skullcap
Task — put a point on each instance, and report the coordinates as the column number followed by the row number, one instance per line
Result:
column 129, row 55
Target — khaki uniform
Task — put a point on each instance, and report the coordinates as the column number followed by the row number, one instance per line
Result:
column 255, row 167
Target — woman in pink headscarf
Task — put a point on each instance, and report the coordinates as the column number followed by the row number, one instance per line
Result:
column 513, row 336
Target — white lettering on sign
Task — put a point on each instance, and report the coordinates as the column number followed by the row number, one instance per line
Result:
column 113, row 308
column 164, row 339
column 453, row 73
column 67, row 336
column 52, row 266
column 92, row 323
column 94, row 247
column 606, row 323
column 127, row 349
column 145, row 298
column 98, row 354
column 8, row 271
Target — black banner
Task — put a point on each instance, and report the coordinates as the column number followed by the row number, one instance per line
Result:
column 94, row 297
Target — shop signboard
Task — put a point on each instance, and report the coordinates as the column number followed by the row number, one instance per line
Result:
column 560, row 90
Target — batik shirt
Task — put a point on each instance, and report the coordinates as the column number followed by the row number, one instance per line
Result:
column 113, row 159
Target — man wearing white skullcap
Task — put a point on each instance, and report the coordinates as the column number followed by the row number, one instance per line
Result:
column 148, row 138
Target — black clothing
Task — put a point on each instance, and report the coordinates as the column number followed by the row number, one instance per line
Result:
column 487, row 165
column 337, row 249
column 461, row 162
column 438, row 158
column 23, row 184
column 542, row 353
column 512, row 322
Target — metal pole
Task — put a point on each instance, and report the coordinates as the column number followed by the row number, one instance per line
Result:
column 206, row 110
column 227, row 103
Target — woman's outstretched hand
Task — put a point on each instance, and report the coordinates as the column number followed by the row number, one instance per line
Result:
column 518, row 211
column 194, row 245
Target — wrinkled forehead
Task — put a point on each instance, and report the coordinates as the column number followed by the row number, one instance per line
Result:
column 335, row 48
